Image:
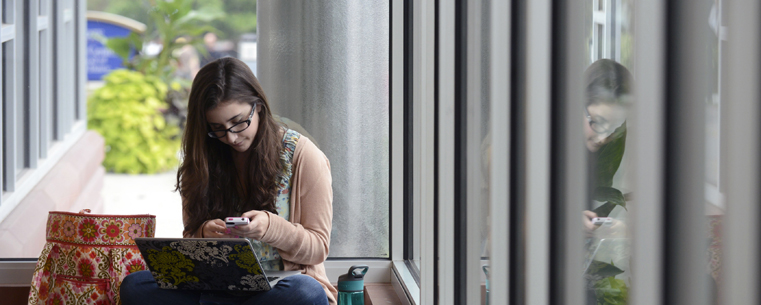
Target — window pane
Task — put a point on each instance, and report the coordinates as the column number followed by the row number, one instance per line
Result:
column 329, row 74
column 9, row 149
column 714, row 188
column 609, row 96
column 20, row 131
column 45, row 119
column 484, row 141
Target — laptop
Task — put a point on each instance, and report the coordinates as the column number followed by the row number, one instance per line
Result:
column 221, row 264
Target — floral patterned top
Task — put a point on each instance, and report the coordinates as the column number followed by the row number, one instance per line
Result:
column 268, row 255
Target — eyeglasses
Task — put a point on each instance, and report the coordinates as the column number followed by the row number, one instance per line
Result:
column 239, row 127
column 601, row 127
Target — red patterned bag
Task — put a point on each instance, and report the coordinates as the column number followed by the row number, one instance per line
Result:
column 87, row 256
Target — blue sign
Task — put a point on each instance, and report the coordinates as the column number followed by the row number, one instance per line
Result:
column 100, row 59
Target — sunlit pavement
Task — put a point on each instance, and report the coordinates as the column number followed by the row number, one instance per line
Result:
column 145, row 194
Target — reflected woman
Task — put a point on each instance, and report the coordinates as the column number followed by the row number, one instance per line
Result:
column 239, row 162
column 609, row 95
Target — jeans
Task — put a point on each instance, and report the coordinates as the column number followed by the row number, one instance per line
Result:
column 141, row 288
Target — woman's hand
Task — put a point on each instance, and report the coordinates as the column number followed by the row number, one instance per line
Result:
column 256, row 228
column 215, row 228
column 588, row 225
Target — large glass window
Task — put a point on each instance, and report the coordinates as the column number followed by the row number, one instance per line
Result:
column 341, row 104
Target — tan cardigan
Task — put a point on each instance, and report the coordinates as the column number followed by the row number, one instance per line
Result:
column 303, row 241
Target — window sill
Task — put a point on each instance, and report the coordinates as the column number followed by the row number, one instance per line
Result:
column 404, row 284
column 17, row 272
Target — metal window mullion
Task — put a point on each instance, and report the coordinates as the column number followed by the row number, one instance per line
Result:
column 417, row 107
column 65, row 92
column 19, row 84
column 616, row 30
column 460, row 150
column 423, row 31
column 70, row 63
column 446, row 148
column 45, row 90
column 473, row 153
column 46, row 80
column 687, row 65
column 32, row 72
column 647, row 137
column 499, row 129
column 9, row 103
column 2, row 106
column 81, row 59
column 610, row 28
column 741, row 120
column 568, row 186
column 66, row 99
column 58, row 68
column 9, row 115
column 720, row 160
column 537, row 151
column 63, row 55
column 397, row 130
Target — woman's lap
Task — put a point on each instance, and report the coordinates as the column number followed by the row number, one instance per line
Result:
column 141, row 288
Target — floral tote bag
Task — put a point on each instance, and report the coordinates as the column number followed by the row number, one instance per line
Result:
column 87, row 256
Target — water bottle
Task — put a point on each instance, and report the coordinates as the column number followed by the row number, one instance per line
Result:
column 351, row 286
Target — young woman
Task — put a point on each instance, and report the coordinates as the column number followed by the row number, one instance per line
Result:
column 239, row 162
column 609, row 95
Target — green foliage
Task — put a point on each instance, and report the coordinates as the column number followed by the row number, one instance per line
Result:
column 610, row 156
column 601, row 280
column 608, row 290
column 612, row 198
column 137, row 10
column 240, row 17
column 611, row 291
column 126, row 111
column 134, row 122
column 608, row 161
column 600, row 270
column 174, row 24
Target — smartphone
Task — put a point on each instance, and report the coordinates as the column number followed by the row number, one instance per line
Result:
column 598, row 221
column 231, row 222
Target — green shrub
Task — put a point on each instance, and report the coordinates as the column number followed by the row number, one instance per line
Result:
column 126, row 111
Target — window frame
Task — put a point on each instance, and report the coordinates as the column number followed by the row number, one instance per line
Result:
column 648, row 252
column 741, row 120
column 42, row 153
column 413, row 37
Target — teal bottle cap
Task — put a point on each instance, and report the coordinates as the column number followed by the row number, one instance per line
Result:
column 353, row 281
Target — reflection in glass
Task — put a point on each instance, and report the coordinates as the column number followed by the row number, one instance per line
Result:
column 715, row 205
column 609, row 97
column 485, row 138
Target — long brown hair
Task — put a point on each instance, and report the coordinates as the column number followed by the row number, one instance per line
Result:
column 208, row 178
